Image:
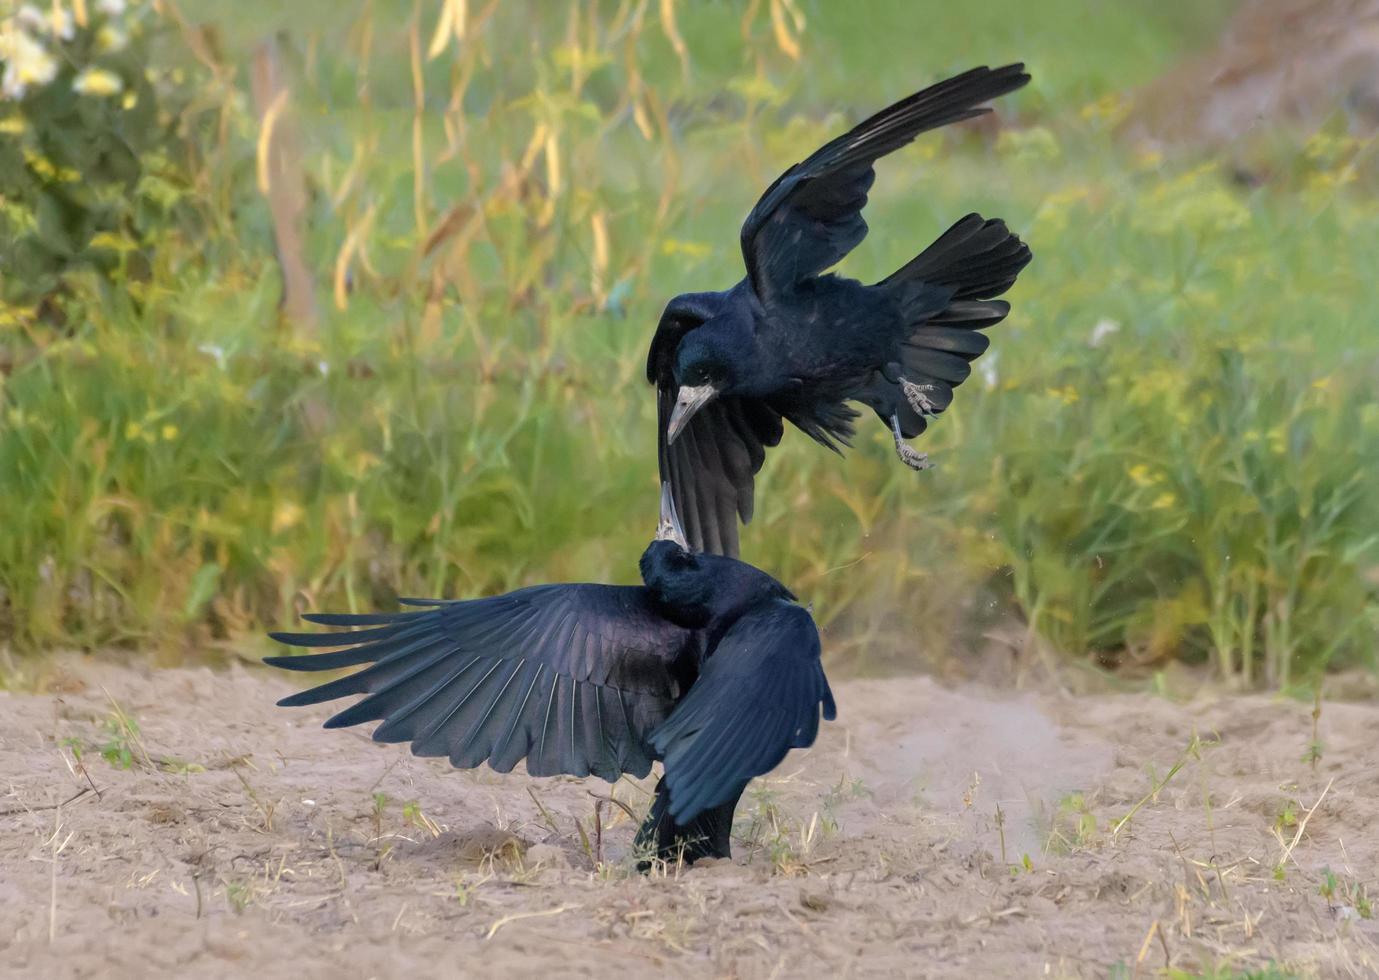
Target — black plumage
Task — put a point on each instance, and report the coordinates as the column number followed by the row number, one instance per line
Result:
column 792, row 342
column 710, row 666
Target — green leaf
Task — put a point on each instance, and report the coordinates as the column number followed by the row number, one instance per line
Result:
column 203, row 587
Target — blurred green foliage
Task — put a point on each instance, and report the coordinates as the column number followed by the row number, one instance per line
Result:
column 1164, row 456
column 93, row 170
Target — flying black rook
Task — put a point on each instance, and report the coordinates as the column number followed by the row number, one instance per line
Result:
column 710, row 667
column 792, row 342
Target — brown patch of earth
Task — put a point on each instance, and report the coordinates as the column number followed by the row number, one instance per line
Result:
column 245, row 840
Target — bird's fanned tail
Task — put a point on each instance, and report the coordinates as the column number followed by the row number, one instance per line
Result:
column 946, row 294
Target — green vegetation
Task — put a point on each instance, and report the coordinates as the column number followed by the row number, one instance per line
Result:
column 1165, row 459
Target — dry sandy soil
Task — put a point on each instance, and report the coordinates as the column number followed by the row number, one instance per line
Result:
column 244, row 840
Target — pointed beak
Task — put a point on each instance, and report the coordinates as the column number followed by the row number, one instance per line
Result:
column 688, row 401
column 669, row 529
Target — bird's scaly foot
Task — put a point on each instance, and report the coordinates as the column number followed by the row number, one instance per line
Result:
column 919, row 401
column 910, row 456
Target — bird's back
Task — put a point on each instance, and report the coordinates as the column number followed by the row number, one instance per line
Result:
column 832, row 331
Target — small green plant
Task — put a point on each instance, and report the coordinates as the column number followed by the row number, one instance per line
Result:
column 122, row 747
column 1341, row 891
column 468, row 886
column 1227, row 972
column 1327, row 889
column 239, row 894
column 1192, row 752
column 412, row 814
column 1313, row 755
column 1071, row 826
column 1287, row 817
column 846, row 789
column 381, row 801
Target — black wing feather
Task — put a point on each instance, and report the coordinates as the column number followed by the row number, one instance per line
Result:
column 522, row 675
column 812, row 215
column 712, row 466
column 758, row 695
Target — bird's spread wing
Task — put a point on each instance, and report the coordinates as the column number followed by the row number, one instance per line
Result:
column 812, row 215
column 569, row 677
column 758, row 696
column 711, row 466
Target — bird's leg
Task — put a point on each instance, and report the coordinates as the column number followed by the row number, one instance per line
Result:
column 919, row 401
column 910, row 456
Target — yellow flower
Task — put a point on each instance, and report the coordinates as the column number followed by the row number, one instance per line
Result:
column 1163, row 501
column 693, row 250
column 98, row 82
column 1035, row 143
column 1140, row 474
column 111, row 38
column 169, row 432
column 286, row 516
column 1111, row 107
column 133, row 430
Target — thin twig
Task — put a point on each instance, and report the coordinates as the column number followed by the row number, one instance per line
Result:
column 614, row 800
column 1302, row 825
column 51, row 806
column 525, row 915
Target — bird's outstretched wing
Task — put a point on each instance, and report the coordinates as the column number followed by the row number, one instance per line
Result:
column 569, row 677
column 758, row 696
column 812, row 215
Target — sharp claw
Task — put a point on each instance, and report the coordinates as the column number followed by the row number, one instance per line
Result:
column 910, row 456
column 919, row 401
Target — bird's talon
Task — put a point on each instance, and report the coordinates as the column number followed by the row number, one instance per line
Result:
column 919, row 401
column 908, row 454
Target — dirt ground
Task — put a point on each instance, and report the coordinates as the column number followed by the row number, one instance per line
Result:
column 245, row 840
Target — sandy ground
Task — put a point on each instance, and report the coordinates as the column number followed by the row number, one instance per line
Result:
column 244, row 840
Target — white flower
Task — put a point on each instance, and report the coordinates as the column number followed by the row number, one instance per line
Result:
column 30, row 17
column 57, row 22
column 112, row 8
column 97, row 81
column 27, row 62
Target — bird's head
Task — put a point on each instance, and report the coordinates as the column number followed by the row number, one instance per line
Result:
column 709, row 363
column 673, row 572
column 695, row 589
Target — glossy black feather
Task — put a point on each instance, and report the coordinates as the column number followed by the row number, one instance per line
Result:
column 793, row 342
column 584, row 679
column 746, row 710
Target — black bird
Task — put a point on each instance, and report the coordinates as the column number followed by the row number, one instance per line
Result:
column 790, row 342
column 710, row 667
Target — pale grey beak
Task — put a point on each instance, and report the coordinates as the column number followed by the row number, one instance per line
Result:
column 688, row 401
column 669, row 529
